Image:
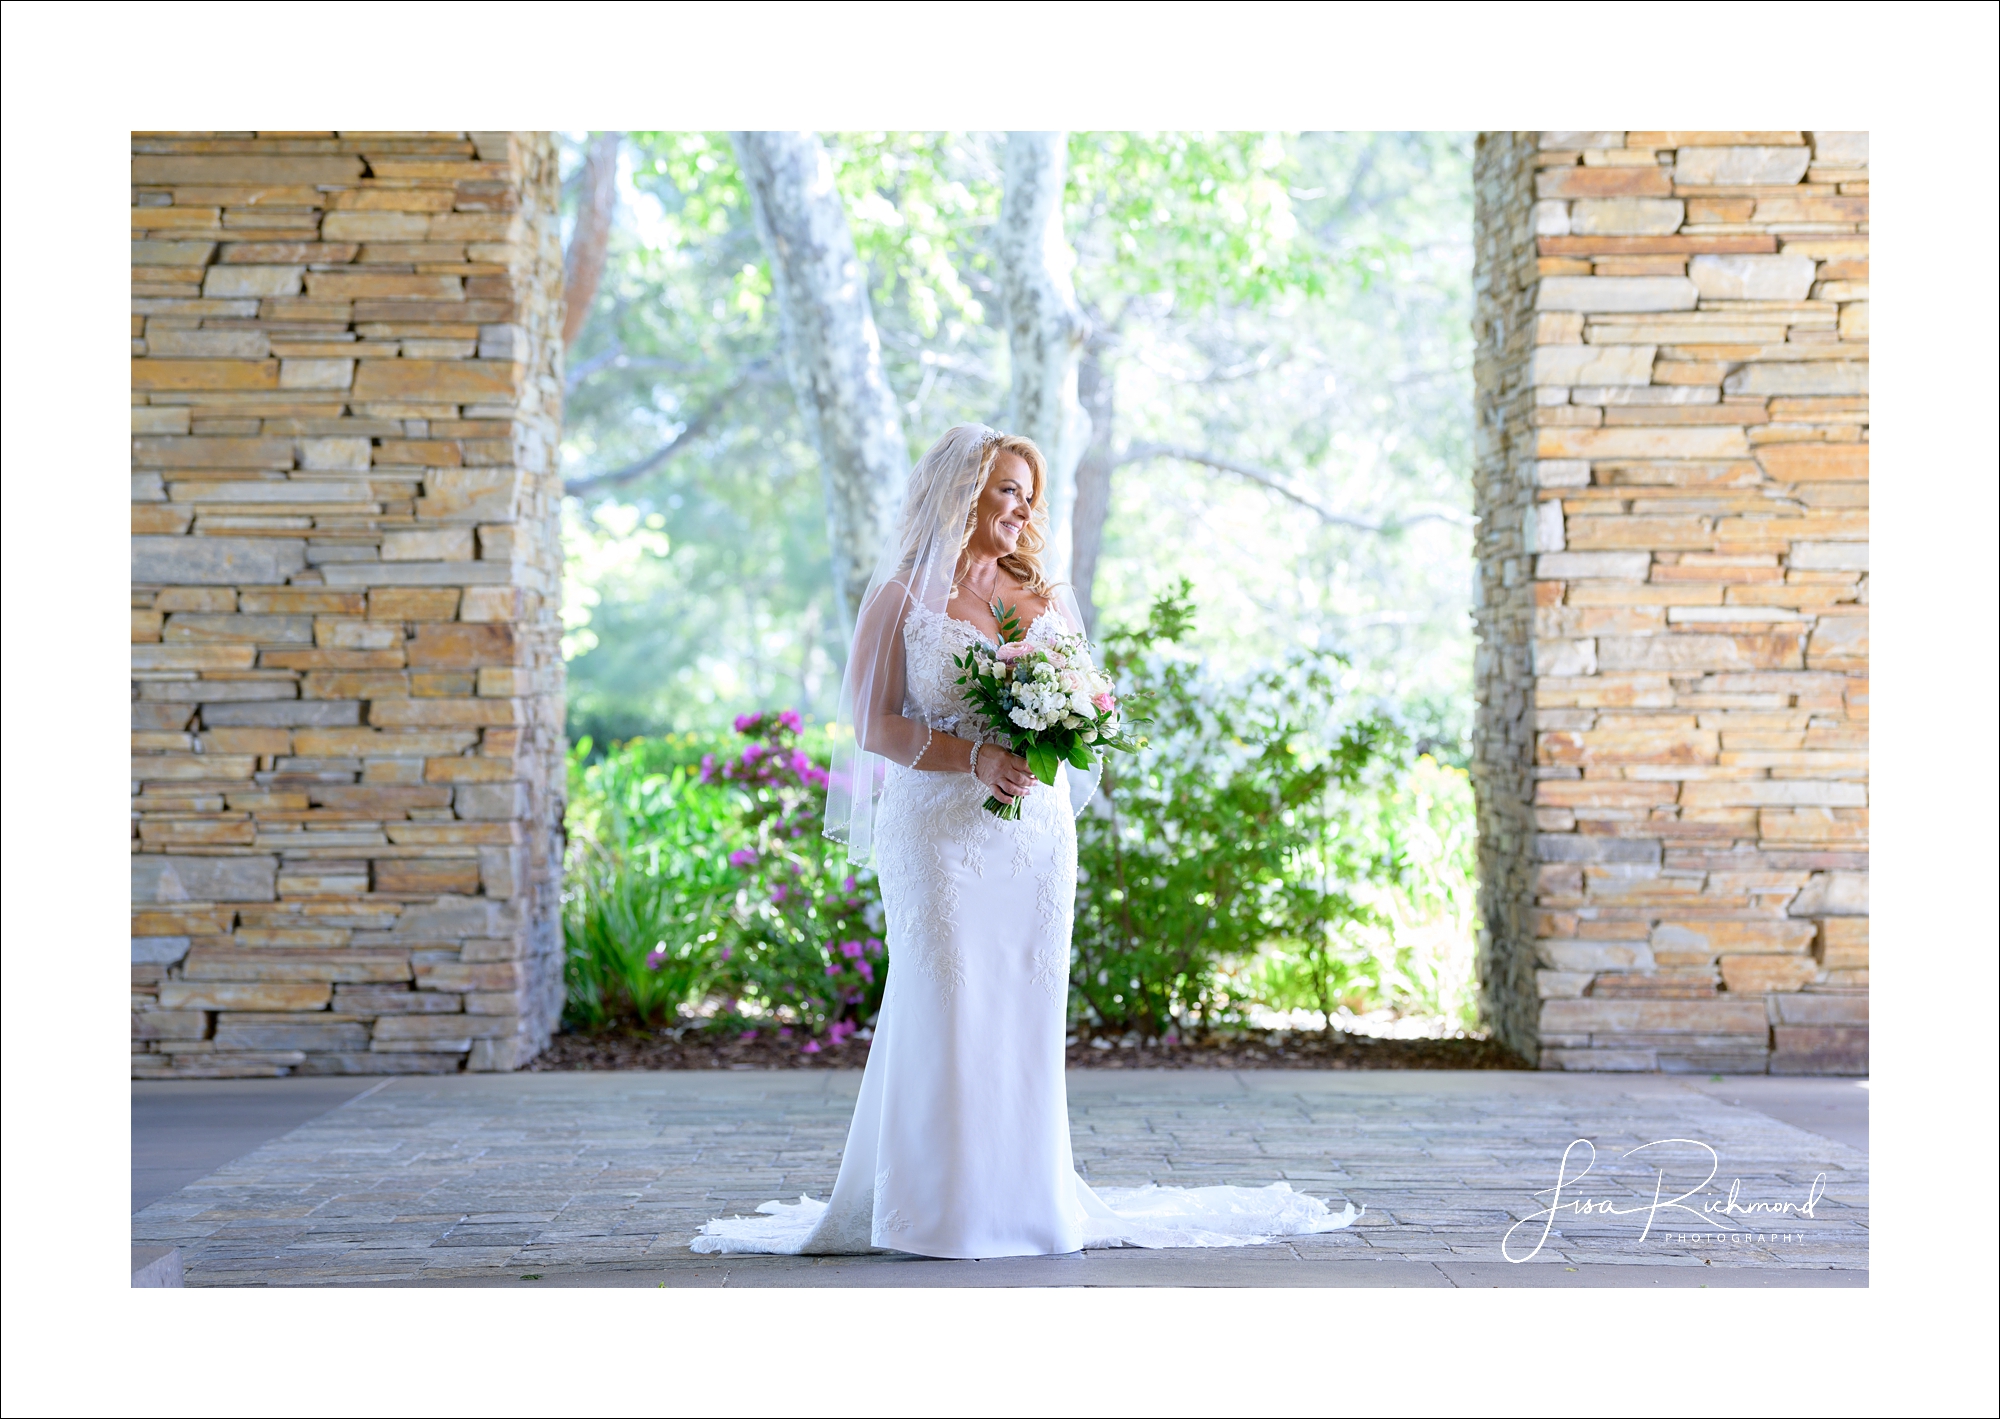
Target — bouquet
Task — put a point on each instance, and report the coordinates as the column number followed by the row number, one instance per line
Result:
column 1048, row 703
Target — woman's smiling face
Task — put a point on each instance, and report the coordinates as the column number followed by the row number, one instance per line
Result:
column 1005, row 505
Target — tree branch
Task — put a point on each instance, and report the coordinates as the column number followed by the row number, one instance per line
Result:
column 583, row 263
column 577, row 373
column 1143, row 452
column 689, row 431
column 615, row 358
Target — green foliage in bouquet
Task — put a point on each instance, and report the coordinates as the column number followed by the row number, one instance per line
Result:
column 1048, row 703
column 1228, row 834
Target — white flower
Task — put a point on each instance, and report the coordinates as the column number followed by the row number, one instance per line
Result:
column 1024, row 717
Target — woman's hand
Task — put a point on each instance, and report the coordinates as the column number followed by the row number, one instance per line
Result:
column 1006, row 773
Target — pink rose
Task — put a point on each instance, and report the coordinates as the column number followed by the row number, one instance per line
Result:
column 1013, row 650
column 1105, row 701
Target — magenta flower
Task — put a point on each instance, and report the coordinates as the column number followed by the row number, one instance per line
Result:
column 791, row 720
column 726, row 952
column 874, row 947
column 707, row 768
column 655, row 958
column 847, row 884
column 833, row 970
column 810, row 1047
column 867, row 971
column 747, row 722
column 747, row 1035
column 743, row 857
column 850, row 948
column 785, row 1033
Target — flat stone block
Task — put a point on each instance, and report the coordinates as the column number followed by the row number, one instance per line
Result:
column 1820, row 1010
column 1580, row 847
column 1841, row 150
column 1592, row 365
column 1740, row 166
column 1616, row 293
column 1626, row 216
column 1591, row 566
column 284, row 713
column 157, row 1268
column 1752, row 278
column 1708, row 1017
column 1588, row 956
column 1622, row 1061
column 215, row 561
column 1820, row 1049
column 1799, row 377
column 162, row 878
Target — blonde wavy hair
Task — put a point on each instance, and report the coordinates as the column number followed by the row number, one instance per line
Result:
column 1024, row 563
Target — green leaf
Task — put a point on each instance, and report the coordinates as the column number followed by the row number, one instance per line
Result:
column 1044, row 761
column 1079, row 756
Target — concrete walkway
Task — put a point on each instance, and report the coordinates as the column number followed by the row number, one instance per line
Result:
column 599, row 1179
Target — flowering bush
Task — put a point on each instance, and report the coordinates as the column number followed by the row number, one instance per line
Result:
column 1266, row 847
column 647, row 879
column 806, row 933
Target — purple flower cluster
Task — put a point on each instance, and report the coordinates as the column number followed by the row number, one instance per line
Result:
column 800, row 923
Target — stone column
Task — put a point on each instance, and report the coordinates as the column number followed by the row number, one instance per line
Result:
column 347, row 692
column 1671, row 756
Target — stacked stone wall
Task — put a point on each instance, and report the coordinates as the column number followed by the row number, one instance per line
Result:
column 347, row 692
column 1672, row 464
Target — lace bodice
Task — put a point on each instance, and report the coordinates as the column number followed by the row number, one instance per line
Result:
column 931, row 692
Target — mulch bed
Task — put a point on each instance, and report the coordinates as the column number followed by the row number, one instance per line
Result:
column 1291, row 1049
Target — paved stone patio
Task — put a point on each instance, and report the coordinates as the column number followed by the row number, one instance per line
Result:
column 600, row 1179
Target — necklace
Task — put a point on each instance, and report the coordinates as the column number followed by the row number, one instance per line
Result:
column 965, row 584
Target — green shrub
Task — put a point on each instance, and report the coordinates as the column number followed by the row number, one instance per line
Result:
column 1269, row 846
column 805, row 930
column 646, row 895
column 1411, row 952
column 1221, row 837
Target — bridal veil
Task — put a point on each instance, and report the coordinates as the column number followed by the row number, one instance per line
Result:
column 877, row 723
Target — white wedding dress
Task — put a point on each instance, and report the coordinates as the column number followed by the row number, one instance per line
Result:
column 960, row 1142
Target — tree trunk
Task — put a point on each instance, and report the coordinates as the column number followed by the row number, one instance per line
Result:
column 1045, row 325
column 831, row 348
column 583, row 263
column 1095, row 391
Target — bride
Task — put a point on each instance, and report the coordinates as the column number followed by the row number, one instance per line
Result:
column 960, row 1142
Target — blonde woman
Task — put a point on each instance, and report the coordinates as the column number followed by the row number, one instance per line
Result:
column 960, row 1141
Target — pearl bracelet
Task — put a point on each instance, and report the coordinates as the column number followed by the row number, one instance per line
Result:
column 975, row 758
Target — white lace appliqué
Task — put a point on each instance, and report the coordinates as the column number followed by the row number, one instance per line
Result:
column 942, row 812
column 1055, row 899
